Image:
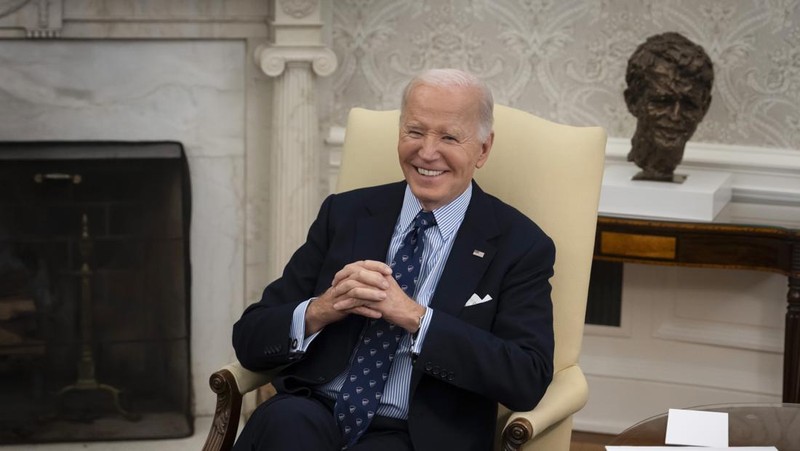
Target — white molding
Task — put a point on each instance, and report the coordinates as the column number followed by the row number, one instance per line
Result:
column 720, row 156
column 760, row 174
column 335, row 136
column 677, row 373
column 597, row 330
column 740, row 336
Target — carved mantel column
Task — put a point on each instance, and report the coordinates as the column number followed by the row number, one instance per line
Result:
column 295, row 60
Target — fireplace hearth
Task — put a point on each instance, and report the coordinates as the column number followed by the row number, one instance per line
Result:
column 94, row 291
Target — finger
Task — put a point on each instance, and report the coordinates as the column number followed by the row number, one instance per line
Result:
column 346, row 304
column 347, row 271
column 351, row 303
column 357, row 267
column 363, row 297
column 371, row 278
column 365, row 311
column 362, row 277
column 375, row 265
column 358, row 290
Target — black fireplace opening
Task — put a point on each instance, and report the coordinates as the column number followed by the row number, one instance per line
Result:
column 94, row 291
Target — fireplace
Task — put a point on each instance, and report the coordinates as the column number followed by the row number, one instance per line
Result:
column 94, row 291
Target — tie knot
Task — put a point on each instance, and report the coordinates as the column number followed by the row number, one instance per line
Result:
column 424, row 219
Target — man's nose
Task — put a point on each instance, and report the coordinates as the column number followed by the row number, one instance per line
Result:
column 430, row 148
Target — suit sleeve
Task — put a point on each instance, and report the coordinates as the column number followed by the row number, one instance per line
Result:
column 261, row 337
column 512, row 362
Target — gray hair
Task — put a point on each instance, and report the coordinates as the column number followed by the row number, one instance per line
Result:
column 457, row 79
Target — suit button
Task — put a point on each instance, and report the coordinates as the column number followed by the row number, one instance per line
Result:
column 294, row 343
column 428, row 366
column 435, row 371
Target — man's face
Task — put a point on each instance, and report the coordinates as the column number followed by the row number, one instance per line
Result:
column 439, row 148
column 670, row 107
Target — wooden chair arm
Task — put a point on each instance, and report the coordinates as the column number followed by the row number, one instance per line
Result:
column 230, row 383
column 226, row 414
column 566, row 395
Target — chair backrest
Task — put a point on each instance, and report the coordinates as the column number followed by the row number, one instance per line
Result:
column 550, row 172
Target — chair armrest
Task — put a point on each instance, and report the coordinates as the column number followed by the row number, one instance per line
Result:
column 246, row 380
column 229, row 383
column 565, row 395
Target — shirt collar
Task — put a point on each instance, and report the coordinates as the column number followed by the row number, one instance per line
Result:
column 448, row 217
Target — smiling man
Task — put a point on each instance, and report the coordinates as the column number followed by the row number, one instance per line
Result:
column 413, row 308
column 669, row 91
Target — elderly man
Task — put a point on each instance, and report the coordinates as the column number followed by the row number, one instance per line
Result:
column 413, row 308
column 669, row 91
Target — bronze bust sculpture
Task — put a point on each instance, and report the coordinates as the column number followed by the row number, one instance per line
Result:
column 669, row 82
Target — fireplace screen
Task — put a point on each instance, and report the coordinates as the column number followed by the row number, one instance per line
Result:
column 94, row 292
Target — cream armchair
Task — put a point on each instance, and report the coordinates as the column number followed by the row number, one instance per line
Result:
column 551, row 173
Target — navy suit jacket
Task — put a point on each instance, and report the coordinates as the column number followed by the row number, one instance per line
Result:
column 472, row 358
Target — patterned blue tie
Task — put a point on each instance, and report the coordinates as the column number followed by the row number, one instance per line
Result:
column 361, row 393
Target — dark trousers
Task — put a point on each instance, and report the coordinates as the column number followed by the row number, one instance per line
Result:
column 298, row 423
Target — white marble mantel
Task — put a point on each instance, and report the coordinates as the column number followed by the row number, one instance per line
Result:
column 185, row 72
column 191, row 92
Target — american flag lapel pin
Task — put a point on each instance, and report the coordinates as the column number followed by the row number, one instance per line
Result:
column 478, row 253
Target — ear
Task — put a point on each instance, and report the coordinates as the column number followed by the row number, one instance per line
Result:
column 486, row 148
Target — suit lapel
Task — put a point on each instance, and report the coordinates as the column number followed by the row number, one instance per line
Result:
column 371, row 236
column 373, row 231
column 465, row 266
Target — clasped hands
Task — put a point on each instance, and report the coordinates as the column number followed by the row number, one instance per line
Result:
column 365, row 288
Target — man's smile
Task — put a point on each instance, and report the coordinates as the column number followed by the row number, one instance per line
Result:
column 428, row 172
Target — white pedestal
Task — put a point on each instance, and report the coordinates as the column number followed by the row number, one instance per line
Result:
column 700, row 197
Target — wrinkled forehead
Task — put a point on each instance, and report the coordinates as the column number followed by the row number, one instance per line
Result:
column 443, row 104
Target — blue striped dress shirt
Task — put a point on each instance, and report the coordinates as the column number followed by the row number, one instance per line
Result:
column 438, row 242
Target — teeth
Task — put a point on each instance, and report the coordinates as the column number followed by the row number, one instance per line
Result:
column 428, row 172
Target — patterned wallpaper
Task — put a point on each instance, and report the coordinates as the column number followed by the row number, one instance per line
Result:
column 565, row 59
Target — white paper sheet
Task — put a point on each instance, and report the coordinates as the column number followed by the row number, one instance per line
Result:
column 688, row 448
column 697, row 428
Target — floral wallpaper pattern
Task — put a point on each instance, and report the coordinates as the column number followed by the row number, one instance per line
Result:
column 565, row 59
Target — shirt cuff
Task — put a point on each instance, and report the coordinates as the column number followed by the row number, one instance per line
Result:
column 419, row 337
column 297, row 332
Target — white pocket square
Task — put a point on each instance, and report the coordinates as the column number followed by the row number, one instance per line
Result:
column 475, row 300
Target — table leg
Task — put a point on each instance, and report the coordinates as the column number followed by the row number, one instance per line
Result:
column 791, row 350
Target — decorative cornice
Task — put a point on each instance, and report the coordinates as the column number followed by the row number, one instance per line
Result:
column 298, row 8
column 272, row 59
column 38, row 19
column 9, row 6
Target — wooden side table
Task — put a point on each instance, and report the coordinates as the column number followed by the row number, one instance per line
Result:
column 775, row 425
column 763, row 247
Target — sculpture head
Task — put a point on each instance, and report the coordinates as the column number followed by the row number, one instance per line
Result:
column 669, row 82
